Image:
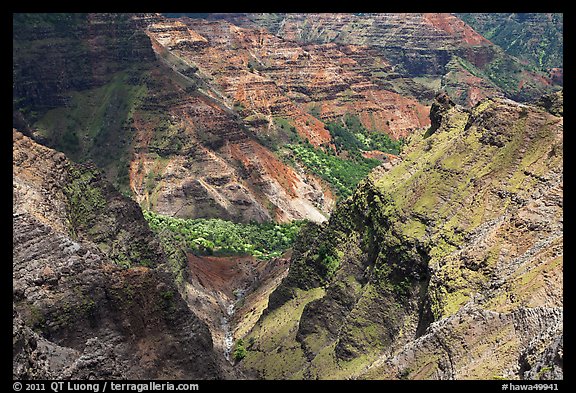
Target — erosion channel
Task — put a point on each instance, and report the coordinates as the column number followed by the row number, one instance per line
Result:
column 236, row 286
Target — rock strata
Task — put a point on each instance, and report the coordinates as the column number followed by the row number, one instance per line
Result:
column 88, row 308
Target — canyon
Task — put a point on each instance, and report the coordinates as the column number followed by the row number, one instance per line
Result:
column 426, row 52
column 447, row 265
column 287, row 196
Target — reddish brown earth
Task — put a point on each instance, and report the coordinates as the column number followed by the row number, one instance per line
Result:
column 455, row 27
column 434, row 39
column 266, row 77
column 379, row 155
column 230, row 293
column 557, row 75
column 199, row 110
column 224, row 274
column 195, row 159
column 273, row 85
column 162, row 130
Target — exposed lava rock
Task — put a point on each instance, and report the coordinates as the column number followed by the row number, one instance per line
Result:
column 89, row 299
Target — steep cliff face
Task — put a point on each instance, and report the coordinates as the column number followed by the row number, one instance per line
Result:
column 447, row 265
column 191, row 116
column 419, row 46
column 149, row 120
column 194, row 158
column 78, row 51
column 268, row 79
column 536, row 37
column 91, row 296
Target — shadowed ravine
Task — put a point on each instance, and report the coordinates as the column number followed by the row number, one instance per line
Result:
column 230, row 293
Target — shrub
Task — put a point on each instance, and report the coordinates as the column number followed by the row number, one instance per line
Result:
column 239, row 350
column 342, row 174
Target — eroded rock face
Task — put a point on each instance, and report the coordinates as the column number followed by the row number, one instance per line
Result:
column 90, row 297
column 449, row 265
column 210, row 166
column 443, row 50
column 76, row 199
column 157, row 126
column 78, row 51
column 199, row 161
column 170, row 109
column 229, row 294
column 266, row 77
column 443, row 352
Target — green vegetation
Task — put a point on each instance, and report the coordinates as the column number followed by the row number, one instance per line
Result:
column 59, row 21
column 97, row 125
column 93, row 118
column 35, row 317
column 328, row 260
column 352, row 136
column 402, row 230
column 276, row 354
column 505, row 73
column 238, row 106
column 285, row 125
column 543, row 371
column 83, row 107
column 315, row 111
column 167, row 302
column 84, row 200
column 220, row 237
column 344, row 168
column 515, row 33
column 275, row 137
column 342, row 174
column 240, row 351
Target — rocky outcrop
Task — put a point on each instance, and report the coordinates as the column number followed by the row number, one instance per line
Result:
column 202, row 163
column 77, row 200
column 448, row 265
column 554, row 103
column 543, row 358
column 90, row 296
column 438, row 111
column 494, row 339
column 229, row 294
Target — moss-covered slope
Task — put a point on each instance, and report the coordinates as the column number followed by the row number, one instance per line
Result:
column 537, row 37
column 467, row 226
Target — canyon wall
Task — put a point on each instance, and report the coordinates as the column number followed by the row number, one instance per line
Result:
column 92, row 296
column 447, row 265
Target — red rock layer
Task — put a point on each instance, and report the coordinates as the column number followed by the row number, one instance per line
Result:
column 265, row 77
column 193, row 158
